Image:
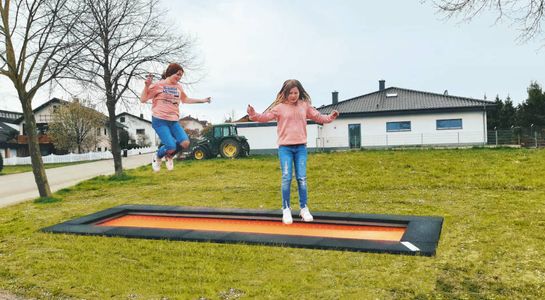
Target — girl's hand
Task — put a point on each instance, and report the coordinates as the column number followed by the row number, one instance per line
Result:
column 334, row 114
column 149, row 80
column 207, row 100
column 250, row 110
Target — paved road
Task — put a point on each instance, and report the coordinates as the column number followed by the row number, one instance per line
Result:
column 20, row 187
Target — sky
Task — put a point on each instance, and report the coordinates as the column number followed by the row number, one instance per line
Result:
column 248, row 48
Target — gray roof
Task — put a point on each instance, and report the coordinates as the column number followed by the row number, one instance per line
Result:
column 405, row 100
column 6, row 132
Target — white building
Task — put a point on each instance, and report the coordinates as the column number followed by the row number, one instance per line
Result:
column 43, row 115
column 140, row 130
column 8, row 133
column 389, row 117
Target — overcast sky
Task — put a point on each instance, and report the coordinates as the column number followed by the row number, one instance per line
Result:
column 249, row 47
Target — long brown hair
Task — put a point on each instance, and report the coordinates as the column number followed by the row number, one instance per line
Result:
column 282, row 96
column 172, row 69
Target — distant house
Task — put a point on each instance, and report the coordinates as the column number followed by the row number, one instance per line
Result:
column 389, row 117
column 8, row 133
column 190, row 123
column 140, row 130
column 44, row 115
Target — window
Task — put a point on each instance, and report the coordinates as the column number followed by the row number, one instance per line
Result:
column 448, row 124
column 122, row 119
column 217, row 131
column 42, row 128
column 105, row 131
column 140, row 131
column 98, row 131
column 398, row 126
column 99, row 149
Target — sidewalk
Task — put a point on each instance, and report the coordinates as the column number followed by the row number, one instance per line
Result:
column 21, row 187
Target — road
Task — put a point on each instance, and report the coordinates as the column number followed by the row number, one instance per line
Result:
column 21, row 187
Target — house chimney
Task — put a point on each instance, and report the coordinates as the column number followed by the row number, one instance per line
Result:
column 141, row 116
column 381, row 84
column 335, row 96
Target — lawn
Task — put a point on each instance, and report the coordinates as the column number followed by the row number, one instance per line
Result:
column 492, row 244
column 28, row 168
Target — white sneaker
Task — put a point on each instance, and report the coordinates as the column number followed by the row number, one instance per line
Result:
column 286, row 216
column 155, row 163
column 169, row 163
column 305, row 214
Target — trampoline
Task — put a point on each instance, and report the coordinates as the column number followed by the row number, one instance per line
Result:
column 413, row 235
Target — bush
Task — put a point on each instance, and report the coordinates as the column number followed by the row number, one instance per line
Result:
column 1, row 163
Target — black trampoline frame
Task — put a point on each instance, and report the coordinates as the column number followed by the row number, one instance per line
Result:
column 420, row 238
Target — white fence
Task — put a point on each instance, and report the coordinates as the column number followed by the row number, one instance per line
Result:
column 67, row 158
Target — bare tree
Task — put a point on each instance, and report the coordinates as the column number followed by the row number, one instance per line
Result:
column 128, row 37
column 74, row 127
column 527, row 15
column 36, row 45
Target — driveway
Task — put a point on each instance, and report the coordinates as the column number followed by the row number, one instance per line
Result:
column 20, row 187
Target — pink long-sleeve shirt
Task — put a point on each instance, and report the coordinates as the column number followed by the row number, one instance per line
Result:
column 292, row 121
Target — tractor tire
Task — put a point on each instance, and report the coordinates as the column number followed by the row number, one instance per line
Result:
column 245, row 149
column 230, row 148
column 199, row 153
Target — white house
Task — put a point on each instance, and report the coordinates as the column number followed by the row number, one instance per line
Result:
column 140, row 130
column 389, row 117
column 190, row 123
column 8, row 133
column 43, row 115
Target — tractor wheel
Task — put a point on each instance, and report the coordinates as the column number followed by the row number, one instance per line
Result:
column 245, row 149
column 199, row 153
column 230, row 148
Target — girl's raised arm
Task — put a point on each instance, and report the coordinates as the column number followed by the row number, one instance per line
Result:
column 264, row 117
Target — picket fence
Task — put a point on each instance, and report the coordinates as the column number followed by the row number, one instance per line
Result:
column 72, row 157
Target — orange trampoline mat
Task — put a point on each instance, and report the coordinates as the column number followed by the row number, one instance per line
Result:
column 358, row 232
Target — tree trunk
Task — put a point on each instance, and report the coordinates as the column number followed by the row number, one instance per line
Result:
column 34, row 150
column 114, row 138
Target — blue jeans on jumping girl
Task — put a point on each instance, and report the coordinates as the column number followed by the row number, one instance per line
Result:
column 293, row 156
column 171, row 135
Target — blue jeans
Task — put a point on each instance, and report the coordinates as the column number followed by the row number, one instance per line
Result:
column 171, row 135
column 293, row 155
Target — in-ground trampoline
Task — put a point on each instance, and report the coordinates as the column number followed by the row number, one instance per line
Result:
column 343, row 231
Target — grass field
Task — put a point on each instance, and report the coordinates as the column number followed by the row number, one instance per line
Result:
column 492, row 244
column 28, row 168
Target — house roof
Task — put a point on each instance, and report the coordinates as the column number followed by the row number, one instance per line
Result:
column 6, row 132
column 9, row 116
column 37, row 109
column 60, row 101
column 394, row 99
column 131, row 115
column 190, row 118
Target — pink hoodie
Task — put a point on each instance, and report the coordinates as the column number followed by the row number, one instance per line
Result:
column 292, row 121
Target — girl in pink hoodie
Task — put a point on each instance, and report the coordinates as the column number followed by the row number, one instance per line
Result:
column 291, row 111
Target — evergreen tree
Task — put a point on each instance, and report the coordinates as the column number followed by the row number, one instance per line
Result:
column 532, row 111
column 507, row 114
column 493, row 115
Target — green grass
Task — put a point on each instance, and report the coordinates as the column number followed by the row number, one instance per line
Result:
column 28, row 168
column 492, row 243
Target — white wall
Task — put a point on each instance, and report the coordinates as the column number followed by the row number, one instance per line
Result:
column 134, row 123
column 423, row 130
column 374, row 134
column 265, row 137
column 7, row 153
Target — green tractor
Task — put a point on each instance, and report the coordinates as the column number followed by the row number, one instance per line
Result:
column 221, row 139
